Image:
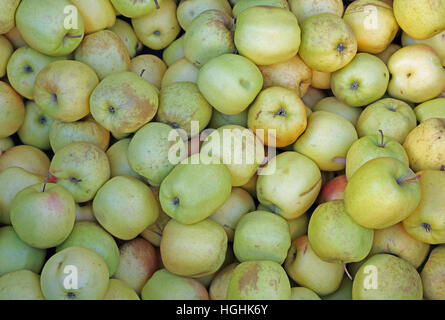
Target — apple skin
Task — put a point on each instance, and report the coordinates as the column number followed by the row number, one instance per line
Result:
column 131, row 9
column 43, row 215
column 7, row 17
column 344, row 292
column 430, row 109
column 6, row 51
column 219, row 119
column 302, row 293
column 312, row 97
column 433, row 276
column 304, row 9
column 174, row 51
column 84, row 212
column 190, row 9
column 62, row 89
column 321, row 80
column 5, row 144
column 436, row 42
column 381, row 194
column 149, row 67
column 332, row 104
column 12, row 113
column 242, row 5
column 96, row 15
column 388, row 52
column 220, row 283
column 15, row 38
column 334, row 189
column 362, row 81
column 181, row 70
column 119, row 290
column 267, row 35
column 118, row 195
column 20, row 285
column 33, row 22
column 92, row 272
column 125, row 31
column 27, row 157
column 119, row 164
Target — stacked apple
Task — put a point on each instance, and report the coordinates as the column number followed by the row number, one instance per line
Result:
column 278, row 150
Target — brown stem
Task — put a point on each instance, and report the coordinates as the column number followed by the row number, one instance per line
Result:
column 382, row 144
column 408, row 180
column 346, row 271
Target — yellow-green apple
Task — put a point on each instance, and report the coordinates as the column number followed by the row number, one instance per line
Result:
column 6, row 50
column 91, row 274
column 20, row 285
column 417, row 74
column 371, row 147
column 43, row 215
column 251, row 185
column 421, row 19
column 159, row 28
column 272, row 282
column 328, row 43
column 220, row 283
column 267, row 35
column 230, row 83
column 118, row 195
column 335, row 236
column 119, row 290
column 387, row 277
column 149, row 67
column 6, row 144
column 297, row 226
column 12, row 110
column 174, row 51
column 138, row 262
column 91, row 235
column 312, row 97
column 242, row 5
column 425, row 145
column 374, row 24
column 117, row 156
column 261, row 235
column 190, row 9
column 321, row 80
column 96, row 15
column 181, row 104
column 193, row 250
column 15, row 38
column 304, row 9
column 277, row 116
column 302, row 293
column 332, row 104
column 181, row 70
column 344, row 292
column 132, row 9
column 309, row 270
column 125, row 31
column 164, row 285
column 209, row 35
column 388, row 52
column 221, row 119
column 81, row 181
column 62, row 89
column 27, row 157
column 327, row 139
column 35, row 129
column 357, row 87
column 437, row 42
column 7, row 16
column 433, row 275
column 394, row 117
column 285, row 187
column 84, row 212
column 66, row 26
column 17, row 255
column 430, row 109
column 381, row 193
column 123, row 102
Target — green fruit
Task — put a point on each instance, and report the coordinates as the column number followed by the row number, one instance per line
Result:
column 20, row 285
column 119, row 290
column 302, row 293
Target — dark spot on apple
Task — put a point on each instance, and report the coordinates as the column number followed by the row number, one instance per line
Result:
column 74, row 180
column 175, row 201
column 28, row 69
column 54, row 98
column 391, row 109
column 427, row 227
column 174, row 125
column 409, row 75
column 111, row 110
column 157, row 33
column 281, row 112
column 340, row 47
column 71, row 295
column 355, row 85
column 244, row 83
column 42, row 119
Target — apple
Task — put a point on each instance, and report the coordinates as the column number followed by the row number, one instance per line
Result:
column 297, row 226
column 90, row 268
column 190, row 9
column 362, row 81
column 6, row 144
column 242, row 5
column 302, row 293
column 381, row 193
column 62, row 89
column 96, row 15
column 5, row 54
column 193, row 250
column 123, row 102
column 119, row 290
column 138, row 262
column 34, row 22
column 181, row 70
column 312, row 97
column 328, row 43
column 267, row 34
column 437, row 42
column 132, row 9
column 304, row 9
column 434, row 108
column 43, row 215
column 174, row 51
column 20, row 285
column 394, row 117
column 334, row 189
column 119, row 164
column 219, row 119
column 388, row 52
column 15, row 38
column 125, row 31
column 220, row 283
column 321, row 80
column 149, row 67
column 344, row 292
column 116, row 196
column 90, row 235
column 7, row 21
column 433, row 276
column 84, row 212
column 332, row 104
column 27, row 157
column 12, row 111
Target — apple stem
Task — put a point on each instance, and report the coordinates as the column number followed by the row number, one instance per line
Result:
column 404, row 179
column 46, row 181
column 382, row 144
column 157, row 4
column 346, row 271
column 142, row 72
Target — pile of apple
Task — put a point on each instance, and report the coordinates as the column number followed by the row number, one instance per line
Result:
column 341, row 106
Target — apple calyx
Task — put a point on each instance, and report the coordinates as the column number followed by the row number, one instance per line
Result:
column 427, row 227
column 281, row 112
column 54, row 98
column 175, row 201
column 71, row 295
column 406, row 179
column 355, row 85
column 42, row 119
column 340, row 47
column 111, row 110
column 74, row 180
column 28, row 69
column 382, row 142
column 142, row 72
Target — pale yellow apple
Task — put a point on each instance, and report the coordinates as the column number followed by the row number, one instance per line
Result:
column 27, row 157
column 97, row 15
column 125, row 31
column 304, row 9
column 437, row 42
column 12, row 110
column 388, row 52
column 313, row 96
column 149, row 67
column 430, row 109
column 181, row 70
column 6, row 50
column 332, row 104
column 7, row 15
column 190, row 9
column 15, row 38
column 321, row 80
column 174, row 51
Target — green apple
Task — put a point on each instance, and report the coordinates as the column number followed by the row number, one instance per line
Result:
column 362, row 81
column 332, row 104
column 267, row 34
column 335, row 236
column 386, row 277
column 436, row 42
column 174, row 51
column 123, row 102
column 149, row 67
column 327, row 139
column 425, row 145
column 5, row 54
column 119, row 164
column 164, row 285
column 308, row 270
column 209, row 35
column 190, row 9
column 261, row 235
column 20, row 285
column 5, row 144
column 298, row 226
column 119, row 290
column 193, row 250
column 43, row 215
column 12, row 112
column 138, row 262
column 75, row 273
column 33, row 22
column 344, row 292
column 371, row 147
column 26, row 157
column 81, row 181
column 181, row 70
column 328, row 43
column 62, row 89
column 417, row 74
column 381, row 193
column 35, row 129
column 104, row 52
column 420, row 19
column 125, row 31
column 96, row 15
column 289, row 184
column 116, row 196
column 430, row 109
column 304, row 9
column 433, row 276
column 219, row 119
column 90, row 235
column 388, row 52
column 259, row 280
column 230, row 83
column 302, row 293
column 7, row 21
column 17, row 255
column 220, row 283
column 242, row 5
column 132, row 9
